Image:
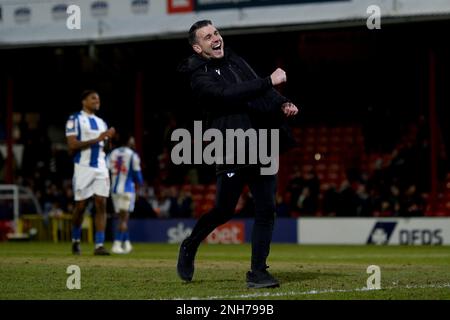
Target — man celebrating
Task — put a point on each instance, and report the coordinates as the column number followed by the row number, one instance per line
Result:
column 236, row 98
column 125, row 166
column 86, row 134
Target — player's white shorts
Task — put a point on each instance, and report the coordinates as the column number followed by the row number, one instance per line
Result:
column 88, row 181
column 123, row 201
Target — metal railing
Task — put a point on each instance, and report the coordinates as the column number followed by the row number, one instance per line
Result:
column 16, row 194
column 56, row 229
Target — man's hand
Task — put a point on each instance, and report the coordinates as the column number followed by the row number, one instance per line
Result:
column 278, row 77
column 289, row 109
column 108, row 134
column 74, row 144
column 111, row 132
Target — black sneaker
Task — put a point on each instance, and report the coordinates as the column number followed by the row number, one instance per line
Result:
column 76, row 248
column 261, row 279
column 101, row 251
column 185, row 265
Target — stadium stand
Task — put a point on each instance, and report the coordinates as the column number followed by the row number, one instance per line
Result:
column 331, row 172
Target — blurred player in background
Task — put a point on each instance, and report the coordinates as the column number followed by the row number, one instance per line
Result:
column 125, row 166
column 86, row 137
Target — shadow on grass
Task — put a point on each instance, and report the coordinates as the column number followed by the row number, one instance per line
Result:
column 297, row 276
column 284, row 277
column 217, row 280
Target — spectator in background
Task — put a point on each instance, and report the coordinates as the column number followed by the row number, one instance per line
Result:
column 37, row 153
column 68, row 205
column 55, row 211
column 59, row 165
column 53, row 195
column 311, row 181
column 394, row 199
column 413, row 204
column 385, row 209
column 146, row 192
column 192, row 176
column 162, row 204
column 305, row 189
column 184, row 204
column 306, row 204
column 347, row 201
column 172, row 194
column 144, row 196
column 282, row 204
column 295, row 186
column 363, row 204
column 330, row 200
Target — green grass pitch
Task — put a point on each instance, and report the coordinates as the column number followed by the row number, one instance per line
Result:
column 35, row 270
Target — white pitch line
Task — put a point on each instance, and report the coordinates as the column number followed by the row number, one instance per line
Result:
column 311, row 292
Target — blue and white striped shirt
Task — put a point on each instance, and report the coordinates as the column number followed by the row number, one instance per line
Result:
column 125, row 167
column 87, row 127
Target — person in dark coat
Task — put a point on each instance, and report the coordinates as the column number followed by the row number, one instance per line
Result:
column 235, row 97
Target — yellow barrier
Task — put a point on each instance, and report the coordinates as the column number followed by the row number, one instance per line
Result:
column 34, row 225
column 56, row 228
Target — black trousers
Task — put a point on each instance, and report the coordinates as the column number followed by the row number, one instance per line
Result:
column 229, row 189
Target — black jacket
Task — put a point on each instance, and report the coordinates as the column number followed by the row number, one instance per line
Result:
column 235, row 97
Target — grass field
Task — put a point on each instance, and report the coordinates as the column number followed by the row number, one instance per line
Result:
column 38, row 271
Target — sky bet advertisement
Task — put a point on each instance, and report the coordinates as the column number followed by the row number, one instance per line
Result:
column 356, row 231
column 233, row 232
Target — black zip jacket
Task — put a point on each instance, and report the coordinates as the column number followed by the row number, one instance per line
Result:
column 235, row 97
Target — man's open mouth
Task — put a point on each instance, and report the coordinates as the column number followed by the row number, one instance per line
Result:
column 217, row 46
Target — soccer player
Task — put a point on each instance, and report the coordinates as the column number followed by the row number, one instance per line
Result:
column 86, row 137
column 236, row 98
column 124, row 165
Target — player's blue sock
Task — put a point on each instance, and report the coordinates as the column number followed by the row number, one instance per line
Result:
column 119, row 236
column 76, row 234
column 99, row 238
column 126, row 236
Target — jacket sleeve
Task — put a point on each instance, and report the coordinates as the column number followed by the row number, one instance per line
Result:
column 273, row 95
column 206, row 87
column 277, row 98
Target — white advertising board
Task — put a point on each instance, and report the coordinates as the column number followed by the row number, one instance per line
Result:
column 395, row 231
column 34, row 22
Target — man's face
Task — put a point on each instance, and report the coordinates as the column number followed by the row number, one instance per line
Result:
column 92, row 102
column 132, row 143
column 209, row 43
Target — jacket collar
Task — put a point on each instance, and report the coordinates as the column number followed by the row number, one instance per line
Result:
column 196, row 61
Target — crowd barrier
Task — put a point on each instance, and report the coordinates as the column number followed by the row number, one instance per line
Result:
column 54, row 229
column 323, row 230
column 351, row 231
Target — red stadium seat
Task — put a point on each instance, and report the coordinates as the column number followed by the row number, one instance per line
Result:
column 198, row 188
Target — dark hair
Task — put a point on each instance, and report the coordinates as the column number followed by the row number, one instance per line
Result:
column 87, row 93
column 193, row 30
